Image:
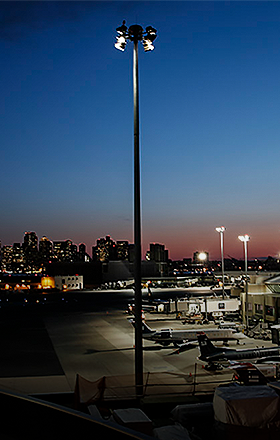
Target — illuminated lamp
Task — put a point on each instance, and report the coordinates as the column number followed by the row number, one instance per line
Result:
column 121, row 43
column 149, row 38
column 121, row 38
column 151, row 32
column 147, row 44
column 202, row 256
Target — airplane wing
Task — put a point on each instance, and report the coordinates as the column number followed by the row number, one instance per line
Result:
column 184, row 347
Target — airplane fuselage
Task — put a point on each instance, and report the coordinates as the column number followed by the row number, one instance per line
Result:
column 245, row 354
column 168, row 336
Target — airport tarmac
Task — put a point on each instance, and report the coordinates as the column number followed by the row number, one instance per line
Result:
column 44, row 353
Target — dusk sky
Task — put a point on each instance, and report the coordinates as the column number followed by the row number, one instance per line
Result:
column 209, row 115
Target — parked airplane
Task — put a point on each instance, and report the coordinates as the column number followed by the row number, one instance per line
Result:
column 184, row 338
column 215, row 356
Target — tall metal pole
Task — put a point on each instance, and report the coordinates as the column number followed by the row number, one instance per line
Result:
column 136, row 33
column 137, row 230
column 221, row 230
column 246, row 283
column 245, row 239
column 223, row 265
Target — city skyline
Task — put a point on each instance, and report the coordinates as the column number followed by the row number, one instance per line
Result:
column 209, row 124
column 189, row 254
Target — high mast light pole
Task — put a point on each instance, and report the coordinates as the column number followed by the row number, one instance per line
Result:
column 245, row 238
column 221, row 231
column 136, row 33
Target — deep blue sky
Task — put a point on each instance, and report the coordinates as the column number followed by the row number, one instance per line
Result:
column 209, row 111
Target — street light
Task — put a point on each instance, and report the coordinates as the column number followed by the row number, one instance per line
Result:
column 245, row 238
column 221, row 231
column 136, row 33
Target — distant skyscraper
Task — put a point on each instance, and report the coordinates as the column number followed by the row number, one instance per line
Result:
column 122, row 250
column 7, row 258
column 158, row 253
column 82, row 252
column 105, row 250
column 64, row 251
column 131, row 252
column 17, row 258
column 45, row 249
column 30, row 241
column 30, row 250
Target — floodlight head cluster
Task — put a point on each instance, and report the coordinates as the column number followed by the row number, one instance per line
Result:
column 244, row 238
column 135, row 33
column 221, row 229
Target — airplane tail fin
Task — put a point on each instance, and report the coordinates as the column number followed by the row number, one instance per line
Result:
column 206, row 346
column 146, row 329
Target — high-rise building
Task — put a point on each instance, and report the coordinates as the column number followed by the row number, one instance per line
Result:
column 131, row 252
column 30, row 241
column 105, row 249
column 122, row 250
column 17, row 258
column 64, row 251
column 7, row 258
column 82, row 252
column 30, row 250
column 158, row 253
column 82, row 255
column 45, row 249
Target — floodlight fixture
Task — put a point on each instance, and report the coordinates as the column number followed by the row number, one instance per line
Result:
column 135, row 33
column 244, row 238
column 121, row 37
column 220, row 229
column 147, row 44
column 120, row 43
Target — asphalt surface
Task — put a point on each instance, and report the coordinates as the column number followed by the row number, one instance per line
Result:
column 35, row 337
column 26, row 348
column 46, row 341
